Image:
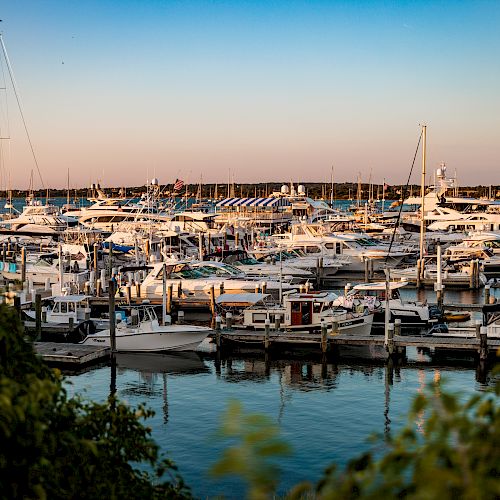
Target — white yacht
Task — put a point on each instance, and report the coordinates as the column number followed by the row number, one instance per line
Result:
column 38, row 219
column 359, row 247
column 195, row 283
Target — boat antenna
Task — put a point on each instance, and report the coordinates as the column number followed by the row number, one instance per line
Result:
column 403, row 194
column 18, row 99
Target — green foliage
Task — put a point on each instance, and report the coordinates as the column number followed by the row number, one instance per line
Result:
column 257, row 442
column 57, row 447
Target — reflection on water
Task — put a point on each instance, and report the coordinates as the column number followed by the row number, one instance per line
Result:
column 326, row 408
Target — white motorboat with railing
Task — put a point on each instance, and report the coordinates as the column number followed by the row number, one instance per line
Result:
column 141, row 332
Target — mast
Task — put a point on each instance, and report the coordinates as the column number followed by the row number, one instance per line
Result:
column 67, row 197
column 422, row 187
column 331, row 190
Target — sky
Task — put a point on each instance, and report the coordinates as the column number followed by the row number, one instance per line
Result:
column 119, row 92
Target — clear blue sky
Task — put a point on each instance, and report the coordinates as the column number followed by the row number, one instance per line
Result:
column 274, row 90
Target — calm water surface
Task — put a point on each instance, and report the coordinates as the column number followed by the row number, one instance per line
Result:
column 326, row 411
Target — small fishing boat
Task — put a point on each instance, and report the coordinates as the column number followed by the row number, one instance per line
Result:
column 141, row 332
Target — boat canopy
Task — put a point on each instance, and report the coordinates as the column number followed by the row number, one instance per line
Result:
column 240, row 299
column 253, row 202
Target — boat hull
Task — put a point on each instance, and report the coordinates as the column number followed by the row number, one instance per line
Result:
column 169, row 338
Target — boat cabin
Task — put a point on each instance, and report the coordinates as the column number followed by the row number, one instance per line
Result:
column 298, row 310
column 66, row 307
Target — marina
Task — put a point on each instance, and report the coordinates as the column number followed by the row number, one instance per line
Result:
column 249, row 250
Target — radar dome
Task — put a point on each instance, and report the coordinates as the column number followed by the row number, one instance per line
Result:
column 154, row 182
column 284, row 189
column 301, row 189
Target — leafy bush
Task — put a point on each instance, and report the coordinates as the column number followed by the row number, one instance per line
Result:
column 56, row 447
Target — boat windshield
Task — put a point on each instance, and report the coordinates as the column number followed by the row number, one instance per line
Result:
column 187, row 273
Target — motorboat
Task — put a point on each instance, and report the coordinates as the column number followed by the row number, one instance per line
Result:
column 308, row 312
column 195, row 283
column 373, row 296
column 141, row 332
column 70, row 309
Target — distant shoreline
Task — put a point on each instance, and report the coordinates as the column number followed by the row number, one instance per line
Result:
column 341, row 191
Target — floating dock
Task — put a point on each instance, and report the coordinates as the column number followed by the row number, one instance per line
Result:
column 72, row 355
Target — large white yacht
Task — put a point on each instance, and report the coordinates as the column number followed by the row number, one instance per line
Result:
column 359, row 247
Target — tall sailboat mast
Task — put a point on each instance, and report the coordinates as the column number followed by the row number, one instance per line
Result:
column 422, row 209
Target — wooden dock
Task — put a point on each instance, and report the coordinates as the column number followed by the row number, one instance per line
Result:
column 259, row 338
column 74, row 355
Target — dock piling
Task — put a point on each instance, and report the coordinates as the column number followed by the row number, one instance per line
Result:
column 397, row 327
column 483, row 344
column 487, row 290
column 180, row 318
column 112, row 316
column 218, row 321
column 212, row 300
column 266, row 334
column 23, row 265
column 38, row 316
column 390, row 339
column 324, row 336
column 277, row 322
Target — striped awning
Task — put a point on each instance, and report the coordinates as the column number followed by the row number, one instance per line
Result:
column 253, row 202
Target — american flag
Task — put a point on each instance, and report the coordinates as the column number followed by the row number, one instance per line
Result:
column 178, row 184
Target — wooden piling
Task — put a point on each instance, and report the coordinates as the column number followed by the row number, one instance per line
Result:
column 390, row 339
column 170, row 293
column 367, row 271
column 38, row 316
column 95, row 266
column 23, row 265
column 138, row 290
column 128, row 293
column 483, row 344
column 17, row 304
column 266, row 334
column 112, row 316
column 419, row 270
column 324, row 337
column 478, row 325
column 71, row 324
column 397, row 327
column 277, row 322
column 212, row 300
column 179, row 289
column 335, row 328
column 221, row 288
column 264, row 287
column 487, row 294
column 217, row 332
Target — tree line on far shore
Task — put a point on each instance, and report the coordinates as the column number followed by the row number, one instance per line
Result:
column 316, row 190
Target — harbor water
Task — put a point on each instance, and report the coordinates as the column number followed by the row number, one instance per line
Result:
column 326, row 410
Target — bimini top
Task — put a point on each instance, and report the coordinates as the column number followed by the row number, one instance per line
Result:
column 253, row 202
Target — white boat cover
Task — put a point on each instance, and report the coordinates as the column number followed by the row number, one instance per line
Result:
column 240, row 299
